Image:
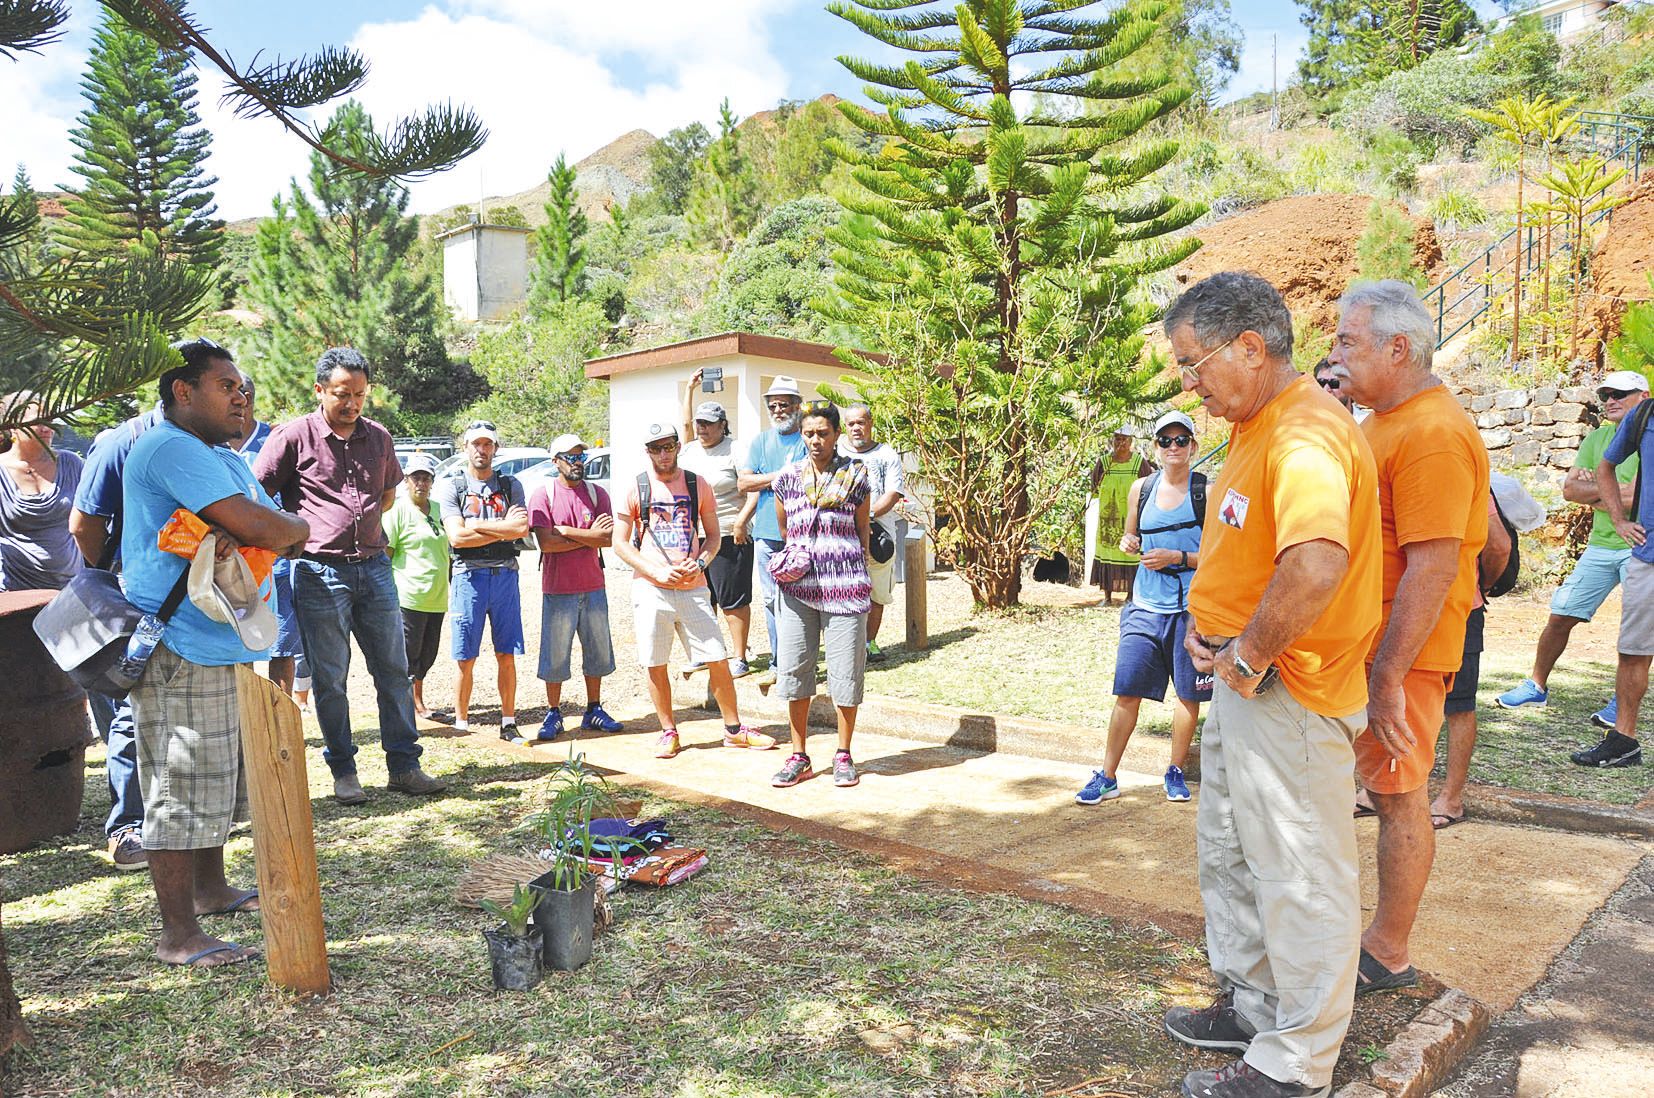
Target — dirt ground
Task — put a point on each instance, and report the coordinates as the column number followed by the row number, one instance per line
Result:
column 1305, row 246
column 1623, row 260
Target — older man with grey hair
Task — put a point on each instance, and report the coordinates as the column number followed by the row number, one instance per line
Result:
column 1433, row 493
column 1285, row 607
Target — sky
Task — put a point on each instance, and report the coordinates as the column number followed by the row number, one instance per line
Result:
column 546, row 76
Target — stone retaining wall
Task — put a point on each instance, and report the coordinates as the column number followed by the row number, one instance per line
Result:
column 1540, row 428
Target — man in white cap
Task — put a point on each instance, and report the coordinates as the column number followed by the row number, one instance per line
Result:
column 573, row 521
column 667, row 532
column 1164, row 512
column 485, row 515
column 770, row 453
column 1602, row 566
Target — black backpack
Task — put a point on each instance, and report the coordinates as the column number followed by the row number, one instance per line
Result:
column 644, row 495
column 498, row 550
column 1639, row 424
column 1197, row 496
column 1506, row 579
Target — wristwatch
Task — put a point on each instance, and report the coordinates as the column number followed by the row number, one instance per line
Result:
column 700, row 563
column 1242, row 668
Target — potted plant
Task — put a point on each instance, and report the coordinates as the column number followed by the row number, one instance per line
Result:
column 514, row 947
column 567, row 890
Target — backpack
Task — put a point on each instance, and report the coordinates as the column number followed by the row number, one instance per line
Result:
column 645, row 496
column 498, row 550
column 1639, row 424
column 1197, row 496
column 1505, row 580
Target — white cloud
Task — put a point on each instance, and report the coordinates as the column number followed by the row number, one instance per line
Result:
column 41, row 95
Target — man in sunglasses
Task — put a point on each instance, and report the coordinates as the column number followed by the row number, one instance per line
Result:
column 770, row 453
column 1326, row 376
column 485, row 516
column 1602, row 566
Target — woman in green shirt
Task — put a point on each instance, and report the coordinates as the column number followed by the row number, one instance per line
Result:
column 419, row 562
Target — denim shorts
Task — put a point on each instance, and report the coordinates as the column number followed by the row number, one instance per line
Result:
column 1151, row 655
column 486, row 594
column 1593, row 579
column 562, row 618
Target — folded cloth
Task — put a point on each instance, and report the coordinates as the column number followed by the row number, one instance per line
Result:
column 668, row 866
column 629, row 840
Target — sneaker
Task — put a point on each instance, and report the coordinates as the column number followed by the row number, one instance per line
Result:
column 126, row 850
column 739, row 669
column 844, row 771
column 1241, row 1080
column 1526, row 692
column 597, row 719
column 875, row 654
column 1614, row 750
column 1606, row 717
column 1176, row 788
column 415, row 783
column 796, row 769
column 347, row 789
column 1216, row 1026
column 667, row 746
column 510, row 734
column 1101, row 787
column 747, row 737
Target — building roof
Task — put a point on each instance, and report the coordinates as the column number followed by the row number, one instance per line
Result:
column 470, row 225
column 716, row 346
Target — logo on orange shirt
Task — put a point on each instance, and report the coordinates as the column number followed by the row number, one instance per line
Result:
column 1234, row 508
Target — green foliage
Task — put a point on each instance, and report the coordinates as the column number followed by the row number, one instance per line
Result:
column 672, row 162
column 141, row 148
column 1385, row 249
column 576, row 795
column 517, row 913
column 463, row 214
column 1353, row 42
column 722, row 203
column 1310, row 344
column 773, row 276
column 339, row 272
column 993, row 249
column 1393, row 162
column 1425, row 103
column 1633, row 348
column 1453, row 210
column 1522, row 59
column 1227, row 176
column 559, row 273
column 535, row 368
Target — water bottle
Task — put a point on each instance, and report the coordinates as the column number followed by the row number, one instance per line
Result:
column 139, row 648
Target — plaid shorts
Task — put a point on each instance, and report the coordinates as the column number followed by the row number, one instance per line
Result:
column 189, row 752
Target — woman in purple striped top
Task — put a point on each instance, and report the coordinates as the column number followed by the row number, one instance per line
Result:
column 822, row 500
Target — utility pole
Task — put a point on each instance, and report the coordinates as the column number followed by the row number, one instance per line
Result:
column 1274, row 83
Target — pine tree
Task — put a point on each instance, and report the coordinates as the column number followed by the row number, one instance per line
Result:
column 340, row 272
column 723, row 197
column 142, row 151
column 560, row 252
column 672, row 162
column 993, row 251
column 1357, row 41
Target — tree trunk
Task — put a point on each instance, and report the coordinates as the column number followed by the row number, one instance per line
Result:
column 13, row 1033
column 1521, row 259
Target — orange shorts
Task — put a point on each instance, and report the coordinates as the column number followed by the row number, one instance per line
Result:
column 1426, row 693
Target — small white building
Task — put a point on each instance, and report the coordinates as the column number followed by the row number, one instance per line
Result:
column 1563, row 18
column 647, row 387
column 484, row 270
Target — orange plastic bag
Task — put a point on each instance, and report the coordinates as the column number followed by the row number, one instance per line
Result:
column 182, row 533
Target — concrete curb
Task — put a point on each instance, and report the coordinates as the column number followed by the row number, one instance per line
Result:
column 1420, row 1057
column 1492, row 802
column 949, row 726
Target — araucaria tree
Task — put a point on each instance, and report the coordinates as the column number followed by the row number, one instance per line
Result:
column 560, row 250
column 141, row 148
column 991, row 255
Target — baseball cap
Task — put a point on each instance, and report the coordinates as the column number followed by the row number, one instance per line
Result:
column 481, row 428
column 657, row 431
column 563, row 444
column 1623, row 380
column 1128, row 429
column 420, row 462
column 783, row 386
column 1172, row 417
column 710, row 411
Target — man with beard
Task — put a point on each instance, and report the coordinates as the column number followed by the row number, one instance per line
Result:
column 770, row 453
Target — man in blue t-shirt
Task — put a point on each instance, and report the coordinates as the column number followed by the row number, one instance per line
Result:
column 91, row 523
column 770, row 453
column 1636, row 644
column 185, row 706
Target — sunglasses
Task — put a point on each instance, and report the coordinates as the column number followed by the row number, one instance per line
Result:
column 1194, row 371
column 1332, row 383
column 665, row 446
column 199, row 341
column 816, row 407
column 1174, row 441
column 574, row 457
column 480, row 425
column 1616, row 394
column 781, row 405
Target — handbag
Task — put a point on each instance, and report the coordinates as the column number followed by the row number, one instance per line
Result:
column 793, row 562
column 100, row 639
column 880, row 545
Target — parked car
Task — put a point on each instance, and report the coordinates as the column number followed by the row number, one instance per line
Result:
column 597, row 472
column 511, row 460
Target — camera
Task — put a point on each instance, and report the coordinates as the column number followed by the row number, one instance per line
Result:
column 712, row 379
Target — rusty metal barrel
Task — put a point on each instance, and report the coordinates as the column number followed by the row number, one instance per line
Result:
column 44, row 731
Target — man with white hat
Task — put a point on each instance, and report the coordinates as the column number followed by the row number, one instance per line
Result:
column 1163, row 516
column 1602, row 566
column 485, row 515
column 770, row 453
column 572, row 522
column 188, row 722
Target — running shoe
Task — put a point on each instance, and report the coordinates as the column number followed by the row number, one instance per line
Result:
column 796, row 769
column 1614, row 750
column 1176, row 788
column 667, row 746
column 1526, row 692
column 548, row 731
column 1606, row 717
column 510, row 734
column 844, row 771
column 749, row 738
column 739, row 669
column 874, row 653
column 1101, row 787
column 598, row 721
column 1215, row 1026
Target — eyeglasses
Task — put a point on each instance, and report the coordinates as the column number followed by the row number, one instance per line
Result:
column 1331, row 383
column 1616, row 394
column 1174, row 441
column 1194, row 371
column 574, row 457
column 665, row 446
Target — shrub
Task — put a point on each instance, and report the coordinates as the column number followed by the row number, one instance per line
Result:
column 1385, row 249
column 774, row 275
column 1426, row 104
column 1452, row 210
column 1393, row 161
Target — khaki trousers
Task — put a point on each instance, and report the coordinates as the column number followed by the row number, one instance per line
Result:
column 1278, row 875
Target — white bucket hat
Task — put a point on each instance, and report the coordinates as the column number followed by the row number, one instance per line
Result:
column 225, row 591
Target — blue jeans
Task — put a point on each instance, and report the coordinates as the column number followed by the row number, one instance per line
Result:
column 126, row 796
column 564, row 616
column 337, row 601
column 767, row 549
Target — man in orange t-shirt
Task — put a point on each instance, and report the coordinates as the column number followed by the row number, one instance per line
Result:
column 1433, row 492
column 1285, row 605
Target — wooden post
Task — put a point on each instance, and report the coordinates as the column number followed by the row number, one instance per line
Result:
column 284, row 838
column 918, row 620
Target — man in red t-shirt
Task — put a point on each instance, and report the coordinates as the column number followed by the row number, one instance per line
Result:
column 572, row 521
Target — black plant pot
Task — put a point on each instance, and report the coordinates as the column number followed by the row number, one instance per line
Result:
column 564, row 919
column 516, row 961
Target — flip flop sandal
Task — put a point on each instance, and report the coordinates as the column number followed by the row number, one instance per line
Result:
column 1446, row 820
column 194, row 959
column 235, row 906
column 1371, row 975
column 1362, row 812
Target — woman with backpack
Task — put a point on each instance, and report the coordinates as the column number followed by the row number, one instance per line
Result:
column 1164, row 512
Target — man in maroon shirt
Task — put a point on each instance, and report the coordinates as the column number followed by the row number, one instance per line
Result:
column 337, row 469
